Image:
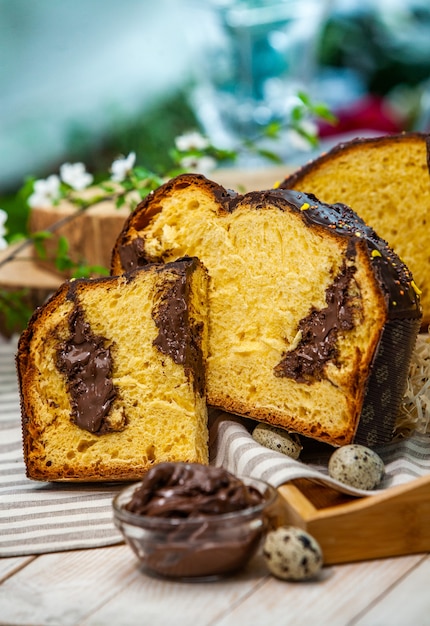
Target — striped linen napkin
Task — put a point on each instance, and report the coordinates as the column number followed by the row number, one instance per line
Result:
column 233, row 447
column 43, row 517
column 39, row 518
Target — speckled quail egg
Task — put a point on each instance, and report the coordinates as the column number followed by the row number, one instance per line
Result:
column 292, row 554
column 277, row 439
column 357, row 466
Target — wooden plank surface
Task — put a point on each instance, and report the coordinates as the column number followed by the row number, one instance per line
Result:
column 106, row 587
column 9, row 566
column 64, row 587
column 408, row 602
column 22, row 271
column 345, row 592
column 164, row 603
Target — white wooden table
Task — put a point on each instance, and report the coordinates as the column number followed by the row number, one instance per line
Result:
column 106, row 587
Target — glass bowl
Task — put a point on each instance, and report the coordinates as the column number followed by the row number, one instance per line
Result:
column 203, row 548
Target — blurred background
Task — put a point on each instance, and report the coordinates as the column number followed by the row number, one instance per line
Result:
column 89, row 80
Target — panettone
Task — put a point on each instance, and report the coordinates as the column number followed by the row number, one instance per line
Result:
column 385, row 180
column 312, row 317
column 112, row 375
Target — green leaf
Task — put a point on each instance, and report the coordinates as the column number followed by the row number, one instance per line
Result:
column 311, row 138
column 62, row 259
column 87, row 271
column 142, row 174
column 82, row 203
column 127, row 184
column 273, row 129
column 269, row 155
column 63, row 246
column 39, row 239
column 27, row 188
column 63, row 263
column 303, row 96
column 16, row 238
column 14, row 309
column 323, row 112
column 297, row 113
column 120, row 201
column 107, row 187
column 41, row 235
column 143, row 192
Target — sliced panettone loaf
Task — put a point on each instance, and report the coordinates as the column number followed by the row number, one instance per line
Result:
column 385, row 180
column 112, row 376
column 312, row 318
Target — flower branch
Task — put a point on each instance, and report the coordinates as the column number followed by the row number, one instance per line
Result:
column 127, row 183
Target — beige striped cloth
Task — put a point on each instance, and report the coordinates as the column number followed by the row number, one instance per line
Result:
column 39, row 518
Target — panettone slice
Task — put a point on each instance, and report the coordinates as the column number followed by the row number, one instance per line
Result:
column 112, row 375
column 312, row 317
column 385, row 180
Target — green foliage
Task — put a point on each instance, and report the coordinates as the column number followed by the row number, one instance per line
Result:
column 150, row 134
column 143, row 178
column 309, row 108
column 17, row 209
column 62, row 258
column 14, row 310
column 384, row 47
column 80, row 269
column 39, row 239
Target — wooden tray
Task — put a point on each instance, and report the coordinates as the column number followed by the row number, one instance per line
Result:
column 348, row 529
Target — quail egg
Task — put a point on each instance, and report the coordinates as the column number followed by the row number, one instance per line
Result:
column 292, row 554
column 277, row 439
column 357, row 466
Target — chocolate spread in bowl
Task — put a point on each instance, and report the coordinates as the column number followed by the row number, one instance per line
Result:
column 188, row 521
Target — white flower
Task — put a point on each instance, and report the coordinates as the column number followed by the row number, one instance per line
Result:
column 201, row 165
column 121, row 167
column 191, row 141
column 75, row 175
column 45, row 192
column 3, row 231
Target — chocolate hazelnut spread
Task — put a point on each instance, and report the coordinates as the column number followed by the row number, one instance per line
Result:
column 191, row 539
column 87, row 365
column 319, row 331
column 132, row 255
column 184, row 490
column 179, row 335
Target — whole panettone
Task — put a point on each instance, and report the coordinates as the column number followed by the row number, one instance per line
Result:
column 312, row 317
